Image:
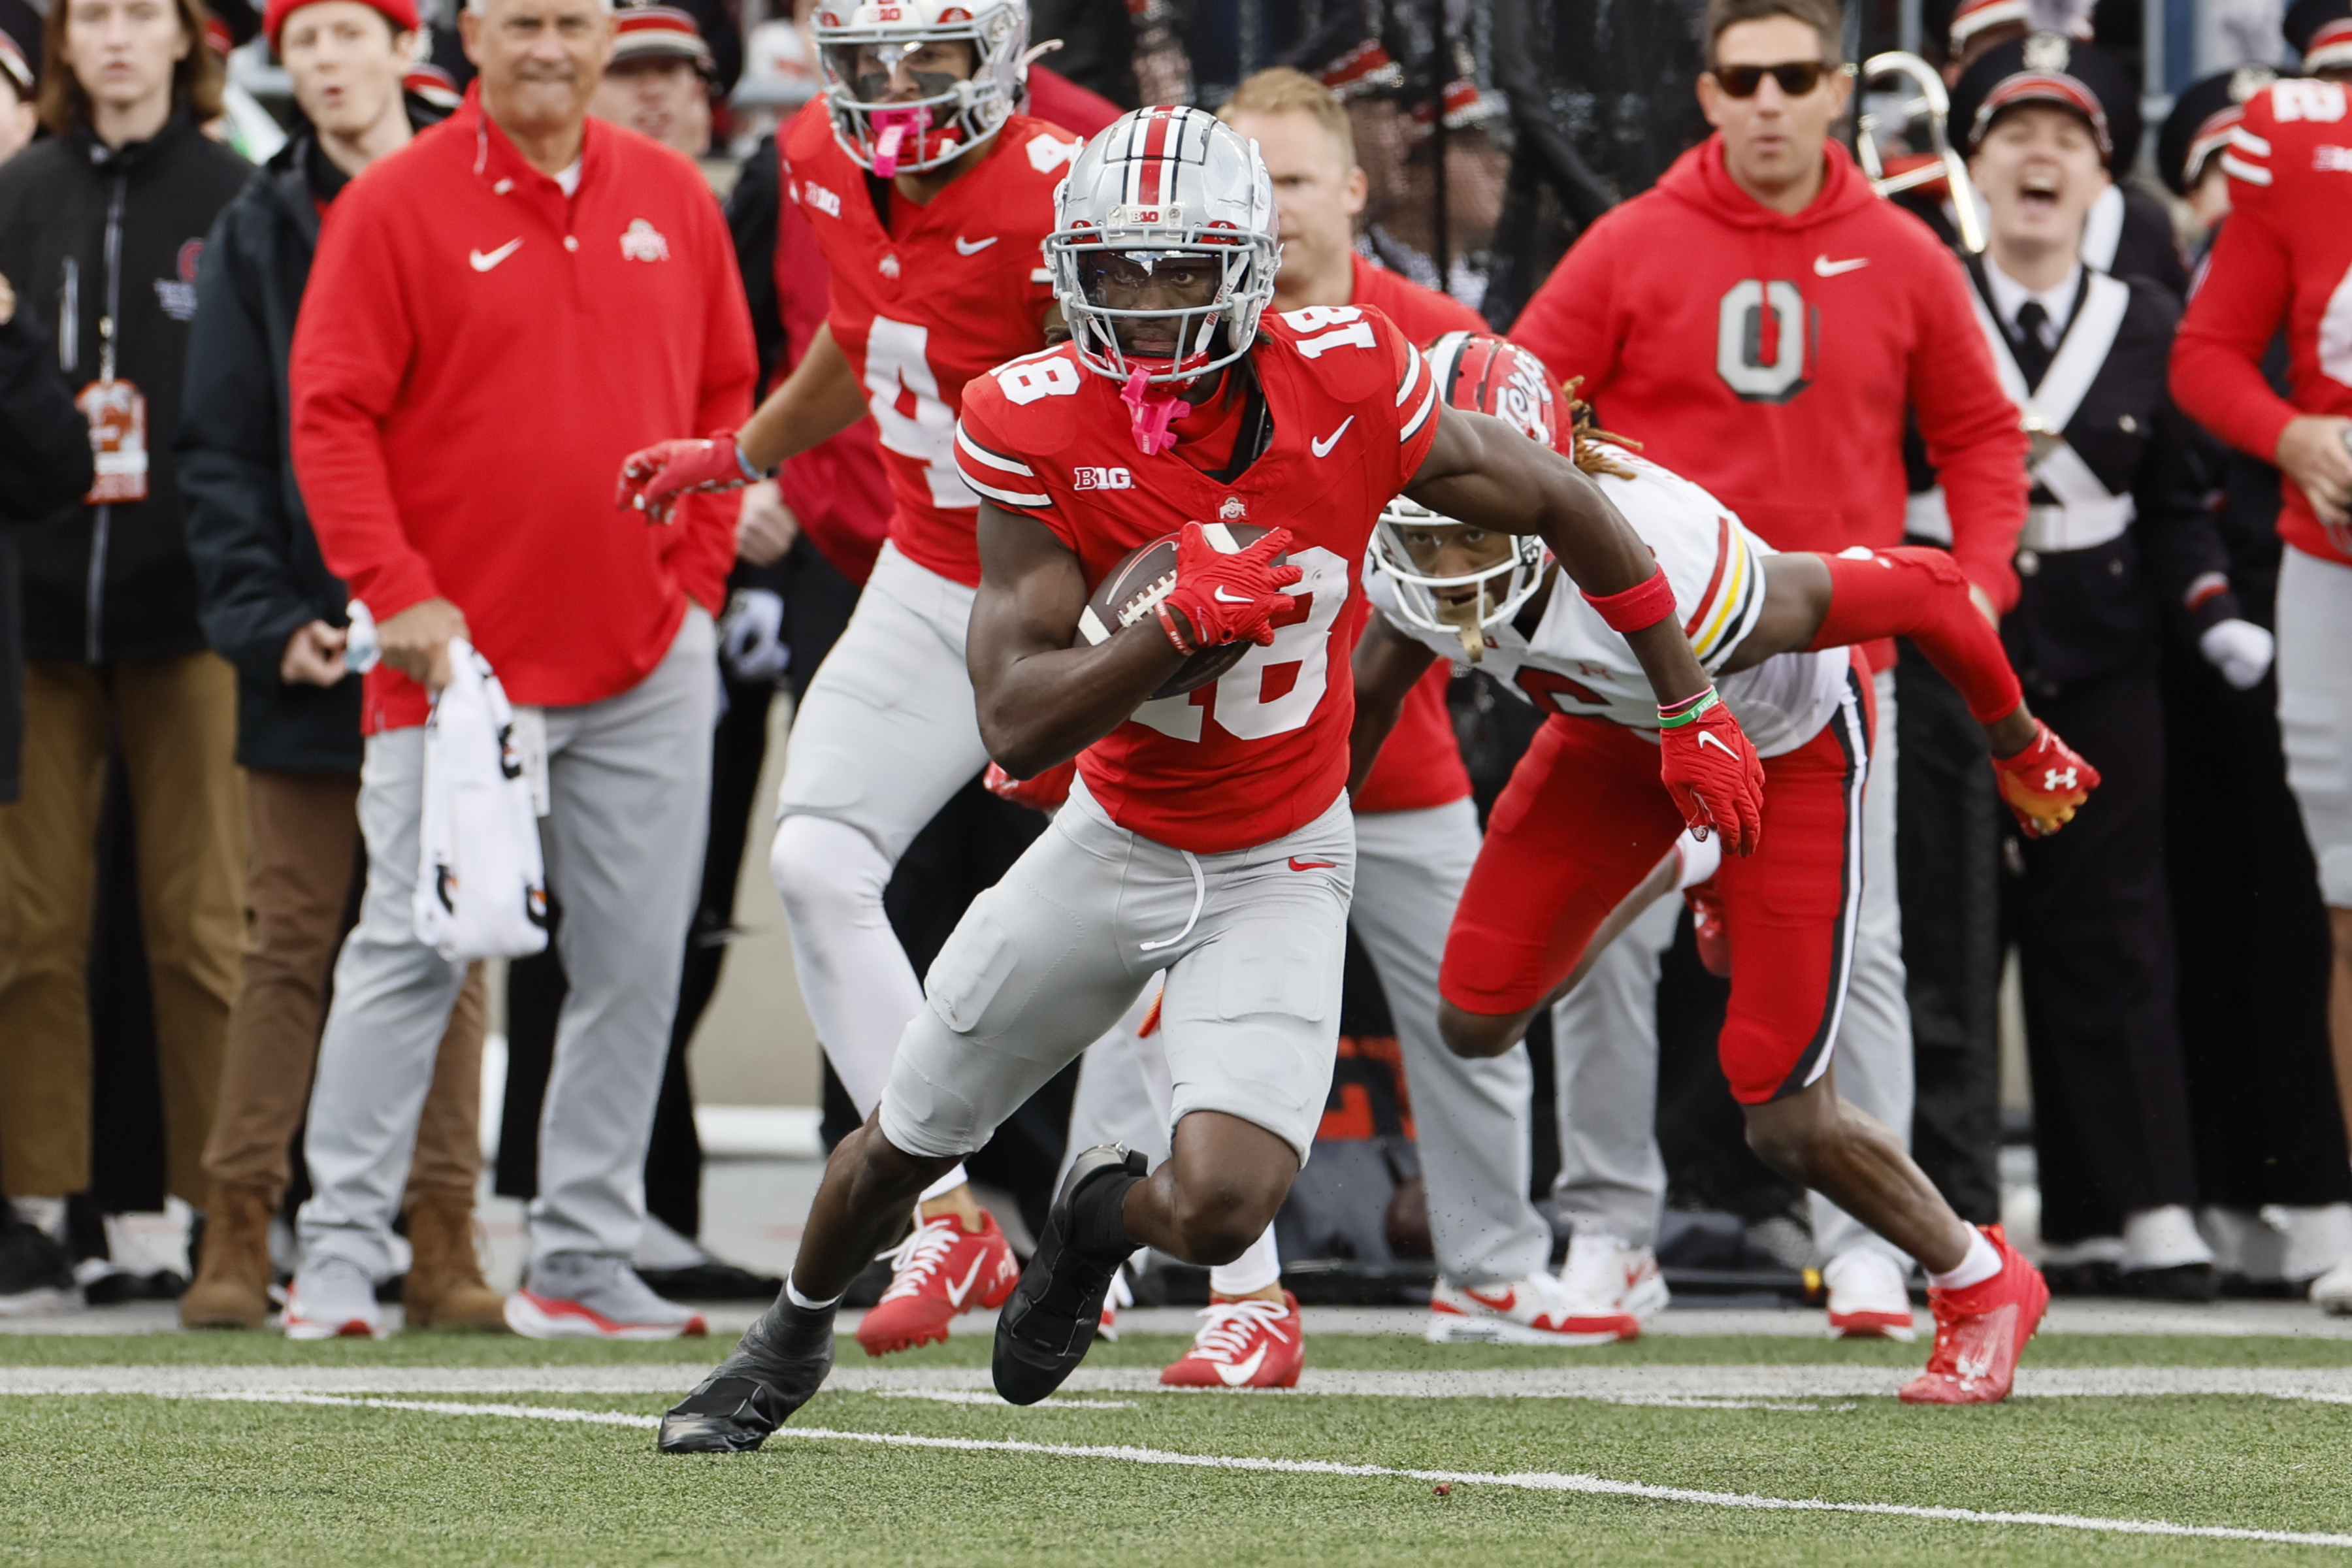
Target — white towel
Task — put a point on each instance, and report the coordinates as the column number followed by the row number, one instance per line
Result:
column 480, row 885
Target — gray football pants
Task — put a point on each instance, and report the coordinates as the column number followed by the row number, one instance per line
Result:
column 1469, row 1117
column 1605, row 1035
column 629, row 781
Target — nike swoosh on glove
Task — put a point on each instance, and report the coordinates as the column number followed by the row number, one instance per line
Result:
column 654, row 478
column 2045, row 783
column 1047, row 792
column 1227, row 598
column 1712, row 771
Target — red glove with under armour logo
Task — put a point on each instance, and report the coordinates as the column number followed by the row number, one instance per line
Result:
column 2044, row 783
column 1712, row 770
column 1227, row 598
column 653, row 479
column 1047, row 792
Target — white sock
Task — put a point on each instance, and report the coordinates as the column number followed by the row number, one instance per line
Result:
column 1253, row 1271
column 793, row 1294
column 1981, row 1264
column 46, row 1214
column 945, row 1184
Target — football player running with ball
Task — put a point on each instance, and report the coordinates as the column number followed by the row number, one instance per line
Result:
column 1208, row 833
column 929, row 197
column 1585, row 821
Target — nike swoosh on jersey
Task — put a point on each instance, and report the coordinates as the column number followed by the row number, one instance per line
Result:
column 1709, row 738
column 1298, row 865
column 956, row 1293
column 1224, row 598
column 974, row 247
column 1240, row 1373
column 1323, row 447
column 1825, row 267
column 484, row 260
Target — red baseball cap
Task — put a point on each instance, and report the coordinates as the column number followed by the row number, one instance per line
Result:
column 401, row 13
column 659, row 32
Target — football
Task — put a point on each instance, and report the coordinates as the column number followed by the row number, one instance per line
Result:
column 1136, row 585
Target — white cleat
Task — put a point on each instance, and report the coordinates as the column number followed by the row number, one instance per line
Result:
column 334, row 1299
column 2332, row 1291
column 1868, row 1300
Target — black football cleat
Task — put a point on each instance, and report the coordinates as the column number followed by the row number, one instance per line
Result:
column 1046, row 1329
column 780, row 1361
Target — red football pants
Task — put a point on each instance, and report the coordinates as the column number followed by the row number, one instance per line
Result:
column 1585, row 818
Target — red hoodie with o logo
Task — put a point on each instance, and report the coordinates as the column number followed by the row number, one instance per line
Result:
column 1771, row 358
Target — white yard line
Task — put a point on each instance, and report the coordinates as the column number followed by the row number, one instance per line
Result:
column 1524, row 1480
column 2328, row 1385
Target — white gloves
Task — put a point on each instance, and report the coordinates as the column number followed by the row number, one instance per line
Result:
column 751, row 636
column 2240, row 650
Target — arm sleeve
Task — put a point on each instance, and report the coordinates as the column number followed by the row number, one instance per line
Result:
column 2217, row 359
column 1971, row 431
column 1571, row 322
column 705, row 549
column 230, row 459
column 352, row 348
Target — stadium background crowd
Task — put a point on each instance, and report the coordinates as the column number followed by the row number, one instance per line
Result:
column 189, row 844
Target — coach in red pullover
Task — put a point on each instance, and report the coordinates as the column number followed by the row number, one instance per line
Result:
column 498, row 315
column 1760, row 322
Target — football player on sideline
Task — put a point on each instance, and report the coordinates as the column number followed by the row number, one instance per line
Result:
column 1208, row 831
column 1583, row 822
column 929, row 197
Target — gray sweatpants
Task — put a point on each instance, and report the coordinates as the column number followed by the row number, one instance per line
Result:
column 628, row 781
column 1606, row 1036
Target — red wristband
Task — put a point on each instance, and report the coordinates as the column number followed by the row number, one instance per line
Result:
column 1641, row 606
column 1168, row 623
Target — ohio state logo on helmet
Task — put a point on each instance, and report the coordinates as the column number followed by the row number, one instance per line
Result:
column 968, row 61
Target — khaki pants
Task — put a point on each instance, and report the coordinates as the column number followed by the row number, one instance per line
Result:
column 177, row 722
column 306, row 844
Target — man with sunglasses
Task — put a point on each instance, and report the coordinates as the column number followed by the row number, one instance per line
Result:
column 1773, row 364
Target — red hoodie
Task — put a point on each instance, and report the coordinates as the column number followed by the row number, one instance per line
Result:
column 477, row 352
column 1771, row 358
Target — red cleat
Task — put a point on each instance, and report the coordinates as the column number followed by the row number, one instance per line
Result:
column 1981, row 1331
column 1243, row 1344
column 940, row 1270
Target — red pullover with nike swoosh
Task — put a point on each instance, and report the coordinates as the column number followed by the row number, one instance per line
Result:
column 475, row 355
column 1770, row 357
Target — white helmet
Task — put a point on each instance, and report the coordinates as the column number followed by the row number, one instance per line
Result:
column 1156, row 184
column 953, row 116
column 1479, row 375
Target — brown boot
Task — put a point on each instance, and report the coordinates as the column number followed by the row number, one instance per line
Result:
column 445, row 1288
column 232, row 1284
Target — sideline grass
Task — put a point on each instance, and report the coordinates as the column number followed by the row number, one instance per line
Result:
column 138, row 1480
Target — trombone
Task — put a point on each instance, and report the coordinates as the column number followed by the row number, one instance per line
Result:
column 1924, row 98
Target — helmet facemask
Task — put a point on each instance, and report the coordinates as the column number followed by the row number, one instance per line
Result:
column 1435, row 600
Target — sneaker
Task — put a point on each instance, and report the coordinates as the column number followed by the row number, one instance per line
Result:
column 1048, row 1325
column 777, row 1367
column 940, row 1271
column 2332, row 1291
column 1243, row 1344
column 334, row 1299
column 1981, row 1331
column 1603, row 1293
column 585, row 1296
column 1868, row 1299
column 36, row 1276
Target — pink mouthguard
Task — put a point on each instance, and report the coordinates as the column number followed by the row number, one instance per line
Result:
column 897, row 127
column 1150, row 417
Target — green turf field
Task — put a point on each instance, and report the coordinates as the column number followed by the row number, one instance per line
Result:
column 353, row 1452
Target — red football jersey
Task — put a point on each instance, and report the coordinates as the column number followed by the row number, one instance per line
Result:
column 2283, row 258
column 1420, row 765
column 1262, row 750
column 946, row 292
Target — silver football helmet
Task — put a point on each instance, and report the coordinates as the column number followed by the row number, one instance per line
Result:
column 858, row 42
column 1156, row 185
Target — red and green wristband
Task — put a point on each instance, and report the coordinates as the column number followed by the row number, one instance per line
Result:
column 1675, row 715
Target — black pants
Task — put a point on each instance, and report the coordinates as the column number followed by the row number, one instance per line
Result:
column 2093, row 926
column 2254, row 952
column 1948, row 825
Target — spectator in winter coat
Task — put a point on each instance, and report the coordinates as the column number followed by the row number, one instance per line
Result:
column 44, row 465
column 498, row 314
column 101, row 229
column 271, row 607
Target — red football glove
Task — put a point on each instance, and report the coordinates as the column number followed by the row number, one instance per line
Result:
column 652, row 480
column 1227, row 598
column 1712, row 771
column 1047, row 792
column 2045, row 783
